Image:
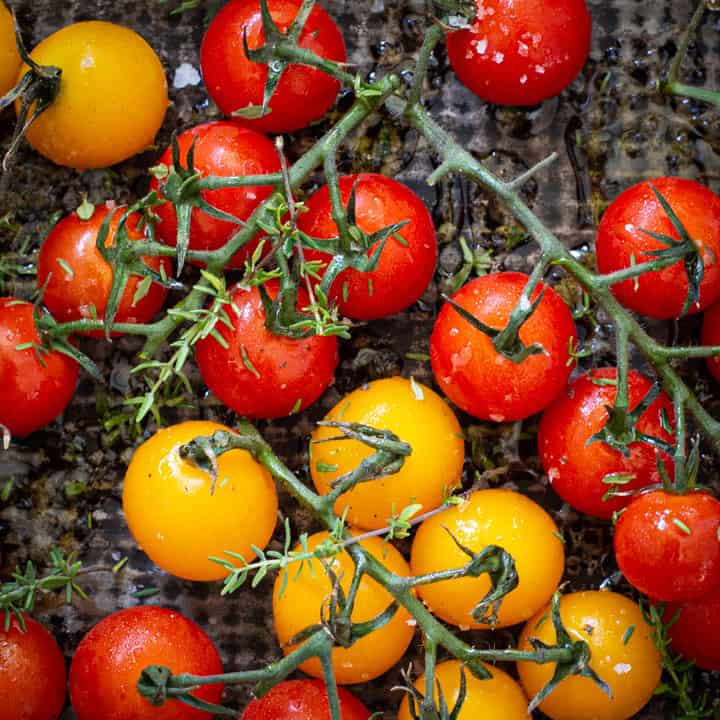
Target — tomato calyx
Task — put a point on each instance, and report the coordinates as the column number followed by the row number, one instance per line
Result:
column 424, row 707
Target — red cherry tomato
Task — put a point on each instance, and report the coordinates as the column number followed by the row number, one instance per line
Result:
column 80, row 278
column 224, row 149
column 233, row 81
column 520, row 52
column 710, row 335
column 260, row 374
column 32, row 673
column 109, row 659
column 579, row 470
column 621, row 241
column 303, row 700
column 404, row 269
column 480, row 380
column 667, row 545
column 36, row 385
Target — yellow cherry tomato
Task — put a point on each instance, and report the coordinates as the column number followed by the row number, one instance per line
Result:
column 622, row 653
column 178, row 522
column 112, row 98
column 489, row 517
column 303, row 600
column 416, row 415
column 9, row 55
column 499, row 697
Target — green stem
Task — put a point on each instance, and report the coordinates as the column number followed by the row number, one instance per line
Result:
column 433, row 36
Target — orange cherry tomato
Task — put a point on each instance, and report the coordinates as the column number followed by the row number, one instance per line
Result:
column 9, row 55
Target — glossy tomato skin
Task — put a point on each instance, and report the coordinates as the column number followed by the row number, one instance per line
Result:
column 622, row 653
column 620, row 238
column 710, row 335
column 489, row 517
column 33, row 392
column 32, row 680
column 260, row 374
column 303, row 700
column 179, row 522
column 9, row 55
column 80, row 279
column 475, row 376
column 112, row 99
column 404, row 271
column 222, row 149
column 667, row 546
column 417, row 416
column 233, row 81
column 575, row 467
column 300, row 605
column 109, row 659
column 520, row 52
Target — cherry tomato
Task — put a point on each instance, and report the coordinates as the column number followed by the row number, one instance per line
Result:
column 109, row 659
column 36, row 385
column 499, row 697
column 622, row 242
column 480, row 380
column 695, row 633
column 79, row 279
column 222, row 149
column 667, row 545
column 579, row 470
column 303, row 598
column 623, row 654
column 260, row 374
column 112, row 99
column 489, row 517
column 710, row 335
column 179, row 521
column 303, row 700
column 417, row 416
column 405, row 267
column 234, row 82
column 9, row 55
column 32, row 676
column 520, row 52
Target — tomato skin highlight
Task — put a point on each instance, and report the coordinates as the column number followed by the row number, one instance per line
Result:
column 575, row 468
column 710, row 335
column 223, row 149
column 667, row 544
column 80, row 278
column 303, row 700
column 521, row 52
column 109, row 659
column 260, row 374
column 480, row 380
column 9, row 55
column 32, row 681
column 112, row 99
column 233, row 81
column 33, row 393
column 403, row 272
column 660, row 294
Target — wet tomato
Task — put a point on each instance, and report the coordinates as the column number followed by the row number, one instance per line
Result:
column 222, row 149
column 37, row 385
column 710, row 335
column 621, row 242
column 668, row 545
column 260, row 374
column 300, row 602
column 406, row 265
column 489, row 517
column 112, row 99
column 303, row 700
column 417, row 416
column 77, row 279
column 176, row 517
column 234, row 82
column 582, row 472
column 480, row 380
column 32, row 673
column 109, row 659
column 520, row 52
column 622, row 653
column 9, row 55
